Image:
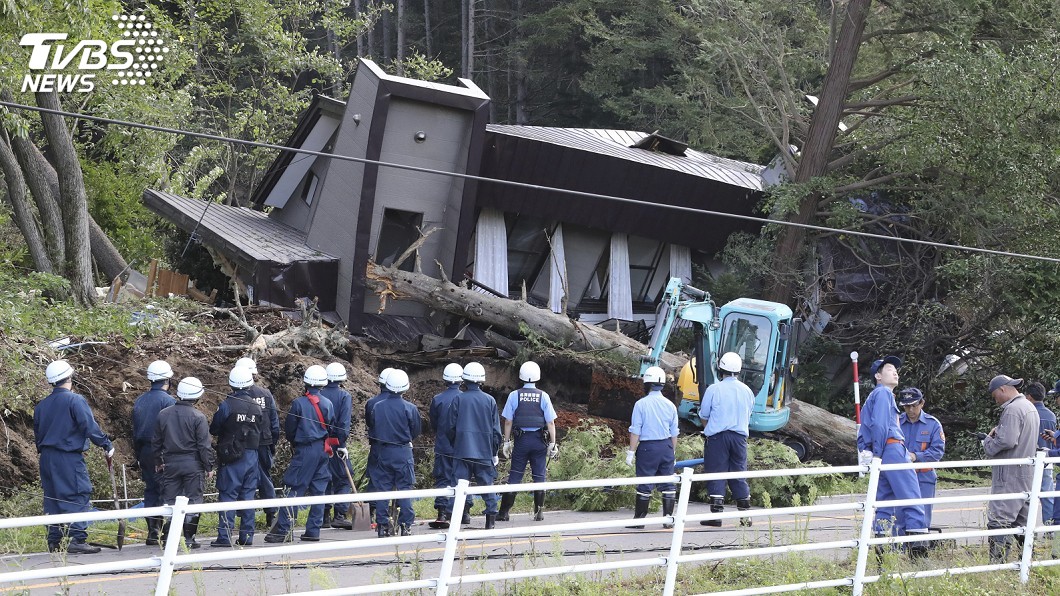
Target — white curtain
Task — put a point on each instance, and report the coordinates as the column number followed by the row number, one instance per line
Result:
column 681, row 262
column 557, row 276
column 491, row 251
column 619, row 295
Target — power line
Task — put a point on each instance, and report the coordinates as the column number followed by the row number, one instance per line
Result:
column 529, row 186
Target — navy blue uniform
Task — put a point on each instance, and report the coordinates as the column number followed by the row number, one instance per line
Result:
column 342, row 403
column 145, row 415
column 307, row 474
column 368, row 405
column 62, row 426
column 393, row 424
column 268, row 437
column 726, row 408
column 444, row 468
column 925, row 440
column 237, row 425
column 654, row 421
column 475, row 433
column 530, row 410
column 182, row 447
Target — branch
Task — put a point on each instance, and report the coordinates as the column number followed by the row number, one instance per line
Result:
column 414, row 246
column 897, row 31
column 842, row 162
column 868, row 183
column 905, row 100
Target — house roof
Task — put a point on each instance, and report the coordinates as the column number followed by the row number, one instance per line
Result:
column 247, row 235
column 621, row 144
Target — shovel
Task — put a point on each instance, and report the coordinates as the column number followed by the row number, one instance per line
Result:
column 358, row 511
column 117, row 503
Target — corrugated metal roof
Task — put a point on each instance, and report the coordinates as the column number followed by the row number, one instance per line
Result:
column 250, row 234
column 617, row 143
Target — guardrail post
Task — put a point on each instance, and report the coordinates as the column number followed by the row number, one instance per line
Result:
column 867, row 524
column 176, row 531
column 679, row 531
column 452, row 537
column 1033, row 508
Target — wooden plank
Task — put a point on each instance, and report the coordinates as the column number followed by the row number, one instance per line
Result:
column 152, row 275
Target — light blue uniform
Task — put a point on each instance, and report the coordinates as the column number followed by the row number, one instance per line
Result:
column 881, row 434
column 530, row 445
column 655, row 422
column 726, row 408
column 925, row 439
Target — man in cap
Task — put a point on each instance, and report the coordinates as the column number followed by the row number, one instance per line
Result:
column 652, row 440
column 339, row 463
column 443, row 449
column 237, row 426
column 924, row 440
column 881, row 436
column 726, row 414
column 183, row 454
column 475, row 433
column 394, row 424
column 145, row 415
column 62, row 427
column 1015, row 436
column 268, row 435
column 528, row 412
column 1046, row 427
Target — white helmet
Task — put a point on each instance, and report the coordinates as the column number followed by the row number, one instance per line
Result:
column 730, row 362
column 383, row 375
column 58, row 371
column 654, row 375
column 190, row 389
column 241, row 377
column 453, row 373
column 397, row 381
column 159, row 370
column 248, row 363
column 530, row 372
column 315, row 376
column 336, row 371
column 474, row 373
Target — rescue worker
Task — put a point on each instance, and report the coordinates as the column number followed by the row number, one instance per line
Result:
column 62, row 427
column 653, row 440
column 237, row 426
column 184, row 457
column 268, row 436
column 924, row 440
column 443, row 449
column 1054, row 395
column 475, row 433
column 394, row 424
column 338, row 465
column 726, row 413
column 529, row 410
column 145, row 415
column 881, row 436
column 1015, row 436
column 1046, row 426
column 368, row 405
column 307, row 427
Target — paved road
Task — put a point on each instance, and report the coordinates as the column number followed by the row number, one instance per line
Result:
column 343, row 568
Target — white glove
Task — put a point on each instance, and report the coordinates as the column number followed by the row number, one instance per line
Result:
column 553, row 450
column 496, row 460
column 629, row 457
column 912, row 457
column 864, row 458
column 343, row 452
column 506, row 449
column 110, row 454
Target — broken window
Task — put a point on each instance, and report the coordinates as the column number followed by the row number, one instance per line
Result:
column 309, row 187
column 527, row 250
column 397, row 232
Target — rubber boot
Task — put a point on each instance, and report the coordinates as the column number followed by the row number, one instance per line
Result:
column 999, row 548
column 491, row 520
column 270, row 519
column 668, row 509
column 406, row 530
column 744, row 505
column 539, row 505
column 164, row 533
column 717, row 505
column 327, row 516
column 442, row 522
column 507, row 500
column 340, row 521
column 640, row 511
column 465, row 519
column 917, row 550
column 153, row 525
column 382, row 531
column 191, row 526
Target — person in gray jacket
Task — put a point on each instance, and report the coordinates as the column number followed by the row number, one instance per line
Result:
column 1015, row 436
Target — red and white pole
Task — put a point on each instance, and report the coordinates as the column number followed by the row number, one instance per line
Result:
column 857, row 391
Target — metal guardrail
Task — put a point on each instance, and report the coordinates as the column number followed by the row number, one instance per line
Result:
column 170, row 559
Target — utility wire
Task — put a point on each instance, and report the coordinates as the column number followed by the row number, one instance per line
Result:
column 526, row 185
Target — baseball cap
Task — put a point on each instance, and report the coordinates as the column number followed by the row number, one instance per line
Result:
column 895, row 360
column 910, row 396
column 1000, row 381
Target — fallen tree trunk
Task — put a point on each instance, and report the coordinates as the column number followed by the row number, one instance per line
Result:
column 393, row 284
column 829, row 437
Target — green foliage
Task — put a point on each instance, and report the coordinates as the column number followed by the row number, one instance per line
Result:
column 580, row 458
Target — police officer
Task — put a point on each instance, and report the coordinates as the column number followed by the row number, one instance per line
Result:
column 924, row 440
column 726, row 414
column 268, row 436
column 342, row 403
column 881, row 436
column 237, row 426
column 653, row 440
column 394, row 424
column 475, row 433
column 62, row 426
column 145, row 414
column 530, row 411
column 443, row 449
column 183, row 454
column 307, row 427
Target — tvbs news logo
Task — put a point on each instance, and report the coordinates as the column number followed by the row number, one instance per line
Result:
column 129, row 60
